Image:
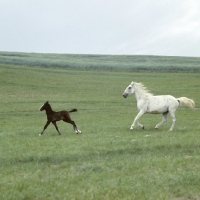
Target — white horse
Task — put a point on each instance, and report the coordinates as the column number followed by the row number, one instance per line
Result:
column 148, row 103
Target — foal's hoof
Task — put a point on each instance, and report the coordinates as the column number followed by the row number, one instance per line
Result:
column 79, row 131
column 40, row 134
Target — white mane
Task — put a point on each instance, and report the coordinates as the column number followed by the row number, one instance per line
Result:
column 143, row 88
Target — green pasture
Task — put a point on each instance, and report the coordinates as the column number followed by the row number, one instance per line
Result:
column 105, row 62
column 107, row 161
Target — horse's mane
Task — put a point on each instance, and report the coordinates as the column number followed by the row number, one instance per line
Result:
column 143, row 88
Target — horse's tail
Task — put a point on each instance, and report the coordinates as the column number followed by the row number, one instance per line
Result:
column 186, row 101
column 73, row 110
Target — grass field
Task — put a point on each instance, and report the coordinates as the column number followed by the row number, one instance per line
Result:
column 105, row 62
column 107, row 161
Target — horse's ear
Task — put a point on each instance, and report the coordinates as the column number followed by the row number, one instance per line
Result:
column 132, row 83
column 47, row 101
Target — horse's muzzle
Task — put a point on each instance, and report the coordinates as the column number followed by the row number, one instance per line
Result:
column 125, row 95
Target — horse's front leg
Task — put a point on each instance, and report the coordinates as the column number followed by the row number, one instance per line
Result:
column 54, row 123
column 140, row 125
column 136, row 119
column 47, row 124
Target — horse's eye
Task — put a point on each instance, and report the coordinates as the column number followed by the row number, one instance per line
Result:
column 129, row 88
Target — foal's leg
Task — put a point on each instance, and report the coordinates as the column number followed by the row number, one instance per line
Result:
column 47, row 124
column 136, row 118
column 164, row 119
column 74, row 125
column 54, row 123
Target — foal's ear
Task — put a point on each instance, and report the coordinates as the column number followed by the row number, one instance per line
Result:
column 132, row 83
column 47, row 101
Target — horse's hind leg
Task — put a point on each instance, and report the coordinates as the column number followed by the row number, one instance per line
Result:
column 54, row 123
column 74, row 125
column 164, row 119
column 173, row 121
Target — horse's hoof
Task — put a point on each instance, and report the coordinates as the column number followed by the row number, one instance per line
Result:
column 143, row 127
column 78, row 131
column 40, row 134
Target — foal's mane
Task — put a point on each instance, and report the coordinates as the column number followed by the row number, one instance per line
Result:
column 143, row 88
column 48, row 105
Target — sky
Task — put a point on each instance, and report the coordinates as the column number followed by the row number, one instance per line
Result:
column 114, row 27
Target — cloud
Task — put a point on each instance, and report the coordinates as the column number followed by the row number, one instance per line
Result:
column 153, row 27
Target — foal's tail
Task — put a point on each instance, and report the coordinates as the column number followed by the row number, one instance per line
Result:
column 186, row 101
column 73, row 110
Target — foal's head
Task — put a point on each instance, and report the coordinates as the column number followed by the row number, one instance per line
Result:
column 45, row 106
column 129, row 90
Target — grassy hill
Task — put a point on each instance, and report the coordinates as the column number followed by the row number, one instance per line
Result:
column 107, row 161
column 115, row 62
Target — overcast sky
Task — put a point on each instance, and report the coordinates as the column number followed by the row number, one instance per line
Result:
column 133, row 27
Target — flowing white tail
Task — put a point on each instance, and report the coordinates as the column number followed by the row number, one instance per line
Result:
column 186, row 101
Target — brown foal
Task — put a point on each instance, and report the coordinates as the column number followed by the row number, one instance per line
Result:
column 53, row 117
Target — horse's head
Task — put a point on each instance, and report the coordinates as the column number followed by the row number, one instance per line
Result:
column 129, row 90
column 44, row 106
